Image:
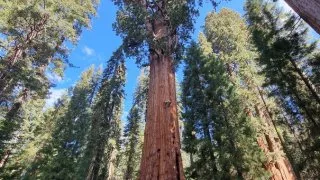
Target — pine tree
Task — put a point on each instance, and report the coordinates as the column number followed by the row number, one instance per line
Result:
column 64, row 143
column 197, row 139
column 133, row 132
column 22, row 148
column 100, row 159
column 285, row 56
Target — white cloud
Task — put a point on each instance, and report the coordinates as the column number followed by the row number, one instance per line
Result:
column 88, row 51
column 54, row 95
column 54, row 77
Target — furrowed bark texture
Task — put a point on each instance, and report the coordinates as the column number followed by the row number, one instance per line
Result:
column 271, row 142
column 308, row 10
column 280, row 168
column 161, row 157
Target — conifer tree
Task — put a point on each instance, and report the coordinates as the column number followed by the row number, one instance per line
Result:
column 71, row 131
column 32, row 149
column 216, row 127
column 160, row 29
column 34, row 34
column 33, row 46
column 133, row 132
column 285, row 56
column 100, row 159
column 22, row 148
column 230, row 40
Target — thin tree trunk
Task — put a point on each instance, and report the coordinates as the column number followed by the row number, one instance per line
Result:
column 301, row 103
column 112, row 164
column 18, row 50
column 5, row 158
column 94, row 168
column 306, row 81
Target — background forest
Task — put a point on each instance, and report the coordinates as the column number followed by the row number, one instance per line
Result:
column 248, row 89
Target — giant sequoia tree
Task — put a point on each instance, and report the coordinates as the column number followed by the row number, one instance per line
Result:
column 230, row 41
column 158, row 28
column 286, row 58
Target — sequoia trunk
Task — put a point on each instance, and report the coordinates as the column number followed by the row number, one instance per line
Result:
column 161, row 157
column 280, row 168
column 308, row 10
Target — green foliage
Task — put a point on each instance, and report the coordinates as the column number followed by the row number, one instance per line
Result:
column 55, row 154
column 225, row 100
column 226, row 78
column 134, row 130
column 33, row 46
column 30, row 149
column 217, row 130
column 102, row 151
column 70, row 134
column 289, row 63
column 137, row 20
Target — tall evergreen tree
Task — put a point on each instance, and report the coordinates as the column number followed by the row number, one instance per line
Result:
column 69, row 138
column 63, row 145
column 33, row 149
column 33, row 46
column 230, row 39
column 285, row 55
column 216, row 125
column 133, row 132
column 160, row 29
column 23, row 147
column 100, row 158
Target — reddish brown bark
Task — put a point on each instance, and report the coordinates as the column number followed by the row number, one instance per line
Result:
column 17, row 51
column 161, row 157
column 308, row 10
column 279, row 167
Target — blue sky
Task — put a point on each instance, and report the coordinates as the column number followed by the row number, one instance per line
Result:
column 97, row 44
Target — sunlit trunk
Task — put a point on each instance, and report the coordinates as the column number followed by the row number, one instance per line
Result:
column 161, row 157
column 280, row 168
